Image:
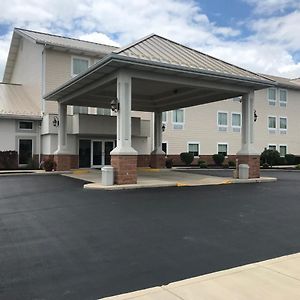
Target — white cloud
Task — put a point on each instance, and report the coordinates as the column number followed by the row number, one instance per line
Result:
column 264, row 7
column 98, row 37
column 267, row 50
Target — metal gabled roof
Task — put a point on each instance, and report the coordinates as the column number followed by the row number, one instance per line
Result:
column 15, row 102
column 284, row 82
column 155, row 48
column 66, row 42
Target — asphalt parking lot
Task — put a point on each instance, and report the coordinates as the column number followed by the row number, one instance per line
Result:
column 58, row 241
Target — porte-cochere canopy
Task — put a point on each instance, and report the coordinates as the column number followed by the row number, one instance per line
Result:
column 156, row 75
column 165, row 76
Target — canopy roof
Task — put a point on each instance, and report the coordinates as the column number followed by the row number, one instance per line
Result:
column 165, row 75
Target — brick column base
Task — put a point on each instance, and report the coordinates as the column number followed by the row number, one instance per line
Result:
column 254, row 164
column 65, row 162
column 125, row 168
column 157, row 161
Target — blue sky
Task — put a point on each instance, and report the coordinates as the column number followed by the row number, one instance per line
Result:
column 260, row 35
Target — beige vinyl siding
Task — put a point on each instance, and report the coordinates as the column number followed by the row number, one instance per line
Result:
column 28, row 69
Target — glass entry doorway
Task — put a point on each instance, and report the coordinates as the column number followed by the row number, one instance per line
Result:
column 95, row 153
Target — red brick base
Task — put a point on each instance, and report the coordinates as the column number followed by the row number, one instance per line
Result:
column 254, row 164
column 125, row 168
column 143, row 160
column 158, row 161
column 66, row 162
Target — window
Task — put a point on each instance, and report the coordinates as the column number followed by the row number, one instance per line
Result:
column 164, row 117
column 236, row 122
column 283, row 150
column 164, row 147
column 282, row 98
column 193, row 148
column 178, row 118
column 80, row 110
column 283, row 123
column 272, row 147
column 272, row 96
column 272, row 123
column 103, row 111
column 79, row 65
column 27, row 125
column 222, row 149
column 222, row 121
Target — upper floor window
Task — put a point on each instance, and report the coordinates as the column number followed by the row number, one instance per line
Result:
column 79, row 65
column 178, row 118
column 282, row 98
column 103, row 111
column 272, row 96
column 283, row 123
column 272, row 123
column 193, row 148
column 222, row 121
column 164, row 117
column 236, row 122
column 26, row 125
column 80, row 110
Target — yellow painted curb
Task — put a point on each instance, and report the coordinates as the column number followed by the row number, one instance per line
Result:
column 227, row 182
column 148, row 170
column 179, row 184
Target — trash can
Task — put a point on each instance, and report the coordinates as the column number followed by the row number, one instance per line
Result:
column 243, row 171
column 107, row 175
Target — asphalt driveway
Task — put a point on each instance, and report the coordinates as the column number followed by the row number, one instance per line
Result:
column 58, row 241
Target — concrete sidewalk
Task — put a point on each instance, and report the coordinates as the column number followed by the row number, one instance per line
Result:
column 274, row 279
column 149, row 178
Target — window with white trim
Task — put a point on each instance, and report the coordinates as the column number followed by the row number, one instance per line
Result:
column 222, row 121
column 283, row 124
column 222, row 148
column 272, row 96
column 164, row 117
column 80, row 110
column 79, row 65
column 272, row 123
column 103, row 111
column 193, row 148
column 272, row 147
column 282, row 97
column 178, row 118
column 26, row 125
column 236, row 122
column 283, row 150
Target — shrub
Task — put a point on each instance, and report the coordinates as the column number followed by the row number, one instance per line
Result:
column 49, row 165
column 232, row 164
column 290, row 159
column 265, row 166
column 226, row 166
column 187, row 158
column 297, row 167
column 169, row 163
column 271, row 157
column 282, row 161
column 297, row 160
column 218, row 159
column 8, row 160
column 202, row 164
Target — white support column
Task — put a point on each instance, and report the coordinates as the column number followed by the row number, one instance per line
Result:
column 158, row 134
column 124, row 116
column 248, row 126
column 62, row 129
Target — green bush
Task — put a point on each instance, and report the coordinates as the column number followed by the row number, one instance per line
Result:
column 265, row 166
column 218, row 159
column 200, row 162
column 187, row 158
column 271, row 157
column 282, row 161
column 49, row 165
column 297, row 167
column 232, row 164
column 226, row 166
column 290, row 159
column 203, row 165
column 169, row 163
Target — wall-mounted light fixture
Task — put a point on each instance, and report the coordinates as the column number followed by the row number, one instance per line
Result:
column 114, row 104
column 163, row 127
column 255, row 116
column 55, row 121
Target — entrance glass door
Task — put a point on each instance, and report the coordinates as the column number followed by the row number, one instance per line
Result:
column 97, row 153
column 108, row 146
